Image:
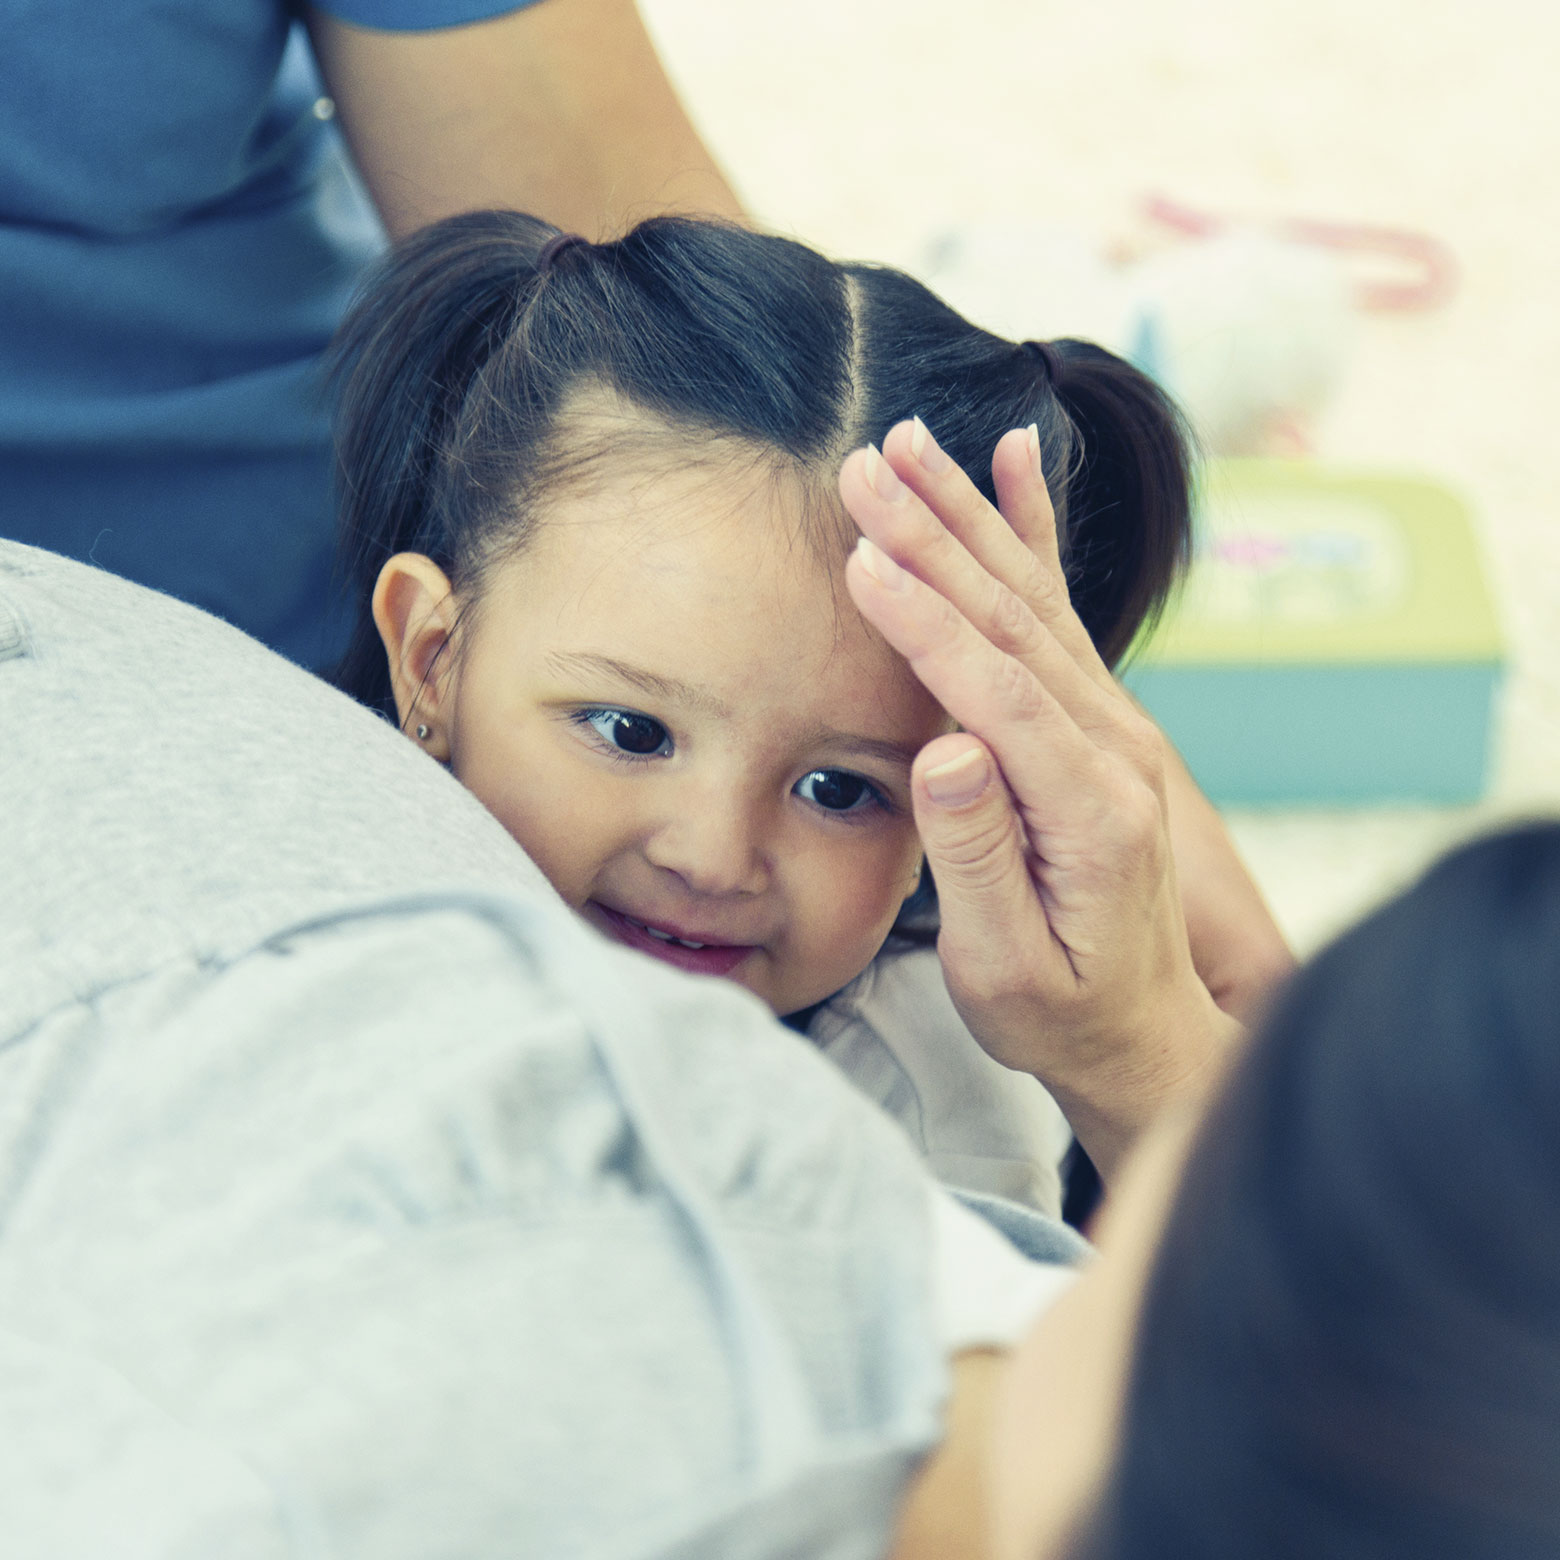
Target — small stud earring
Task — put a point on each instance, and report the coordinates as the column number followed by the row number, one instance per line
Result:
column 422, row 733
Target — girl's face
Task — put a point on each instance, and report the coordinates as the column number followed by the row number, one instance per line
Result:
column 670, row 705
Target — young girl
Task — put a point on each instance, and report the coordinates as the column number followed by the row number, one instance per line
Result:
column 590, row 513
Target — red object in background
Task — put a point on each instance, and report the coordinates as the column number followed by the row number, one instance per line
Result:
column 1426, row 271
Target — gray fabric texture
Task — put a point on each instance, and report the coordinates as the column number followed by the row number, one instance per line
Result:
column 357, row 1200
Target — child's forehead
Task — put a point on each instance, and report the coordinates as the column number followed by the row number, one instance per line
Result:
column 704, row 554
column 613, row 463
column 683, row 544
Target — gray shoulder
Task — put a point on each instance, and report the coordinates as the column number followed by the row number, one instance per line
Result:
column 170, row 786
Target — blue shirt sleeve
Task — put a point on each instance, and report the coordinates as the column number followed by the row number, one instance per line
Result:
column 419, row 15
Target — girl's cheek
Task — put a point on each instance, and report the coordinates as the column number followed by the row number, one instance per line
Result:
column 883, row 877
column 550, row 805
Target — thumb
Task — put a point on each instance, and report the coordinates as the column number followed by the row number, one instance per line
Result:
column 991, row 913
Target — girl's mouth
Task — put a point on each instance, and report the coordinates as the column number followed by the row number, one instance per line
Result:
column 687, row 953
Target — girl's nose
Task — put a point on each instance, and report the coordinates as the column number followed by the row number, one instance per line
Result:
column 714, row 847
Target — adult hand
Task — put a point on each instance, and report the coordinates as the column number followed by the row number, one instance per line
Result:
column 1044, row 820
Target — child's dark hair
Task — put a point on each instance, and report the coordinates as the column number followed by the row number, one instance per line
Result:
column 465, row 345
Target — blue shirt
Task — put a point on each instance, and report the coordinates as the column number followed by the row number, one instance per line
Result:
column 180, row 232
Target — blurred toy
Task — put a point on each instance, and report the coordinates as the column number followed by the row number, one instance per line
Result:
column 1334, row 643
column 1392, row 270
column 1250, row 334
column 1248, row 326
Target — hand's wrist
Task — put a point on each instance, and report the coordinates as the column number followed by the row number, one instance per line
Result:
column 1170, row 1058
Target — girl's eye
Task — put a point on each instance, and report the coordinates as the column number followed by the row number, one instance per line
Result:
column 629, row 733
column 835, row 790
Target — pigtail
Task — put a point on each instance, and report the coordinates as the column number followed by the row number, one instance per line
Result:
column 1128, row 497
column 423, row 326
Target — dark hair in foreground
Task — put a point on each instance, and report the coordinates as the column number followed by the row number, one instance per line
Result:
column 465, row 346
column 1350, row 1346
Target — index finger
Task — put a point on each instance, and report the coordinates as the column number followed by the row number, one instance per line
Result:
column 1059, row 776
column 1016, row 543
column 889, row 512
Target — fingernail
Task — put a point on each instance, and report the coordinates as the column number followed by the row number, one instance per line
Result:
column 880, row 566
column 1034, row 451
column 928, row 453
column 958, row 781
column 881, row 477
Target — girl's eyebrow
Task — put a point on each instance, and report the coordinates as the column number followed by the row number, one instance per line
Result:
column 650, row 682
column 901, row 754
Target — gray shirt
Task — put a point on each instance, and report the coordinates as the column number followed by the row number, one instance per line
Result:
column 357, row 1200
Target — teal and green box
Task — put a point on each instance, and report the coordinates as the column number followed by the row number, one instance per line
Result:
column 1335, row 642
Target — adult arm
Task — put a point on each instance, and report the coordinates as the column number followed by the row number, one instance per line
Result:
column 945, row 1512
column 1236, row 945
column 561, row 109
column 1046, row 820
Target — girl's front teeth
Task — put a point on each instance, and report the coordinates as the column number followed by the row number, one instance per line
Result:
column 661, row 936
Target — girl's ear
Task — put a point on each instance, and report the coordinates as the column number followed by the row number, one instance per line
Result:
column 415, row 611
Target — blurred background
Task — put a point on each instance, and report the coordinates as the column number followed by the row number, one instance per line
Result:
column 952, row 138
